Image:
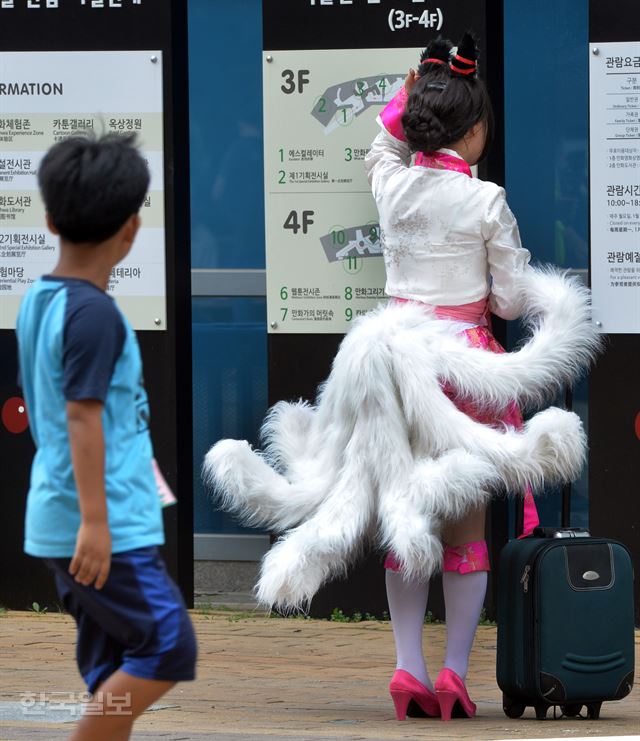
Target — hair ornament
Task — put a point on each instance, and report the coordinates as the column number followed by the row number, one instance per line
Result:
column 465, row 59
column 470, row 70
column 438, row 51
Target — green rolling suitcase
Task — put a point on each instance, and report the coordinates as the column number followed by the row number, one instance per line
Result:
column 565, row 623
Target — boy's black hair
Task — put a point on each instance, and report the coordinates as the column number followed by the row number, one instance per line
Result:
column 91, row 185
column 448, row 99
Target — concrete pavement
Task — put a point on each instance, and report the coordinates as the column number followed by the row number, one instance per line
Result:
column 271, row 678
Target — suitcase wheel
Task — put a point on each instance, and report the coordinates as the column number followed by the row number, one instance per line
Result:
column 512, row 707
column 571, row 711
column 593, row 710
column 541, row 711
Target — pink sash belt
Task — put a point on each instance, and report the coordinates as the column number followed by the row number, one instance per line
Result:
column 476, row 312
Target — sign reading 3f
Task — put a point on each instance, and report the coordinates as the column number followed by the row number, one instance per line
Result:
column 294, row 81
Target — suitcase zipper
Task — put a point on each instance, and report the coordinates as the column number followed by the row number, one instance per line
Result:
column 529, row 587
column 529, row 627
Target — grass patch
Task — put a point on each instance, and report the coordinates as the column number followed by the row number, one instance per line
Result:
column 38, row 609
column 204, row 610
column 275, row 615
column 210, row 612
column 484, row 620
column 237, row 616
column 430, row 619
column 338, row 616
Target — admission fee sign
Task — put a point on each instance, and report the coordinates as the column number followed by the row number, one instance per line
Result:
column 614, row 95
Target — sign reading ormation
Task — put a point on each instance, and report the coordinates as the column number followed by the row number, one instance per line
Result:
column 44, row 98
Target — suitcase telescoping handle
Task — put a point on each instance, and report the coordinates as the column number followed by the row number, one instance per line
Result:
column 561, row 532
column 565, row 516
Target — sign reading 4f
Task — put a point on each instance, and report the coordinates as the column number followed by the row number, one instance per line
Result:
column 301, row 77
column 292, row 222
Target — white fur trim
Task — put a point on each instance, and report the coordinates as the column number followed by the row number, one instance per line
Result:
column 385, row 451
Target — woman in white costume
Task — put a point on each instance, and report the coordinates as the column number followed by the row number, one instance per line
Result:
column 450, row 242
column 417, row 423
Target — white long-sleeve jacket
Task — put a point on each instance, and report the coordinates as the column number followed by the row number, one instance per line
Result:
column 448, row 239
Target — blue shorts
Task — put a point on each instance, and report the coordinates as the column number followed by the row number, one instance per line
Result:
column 137, row 622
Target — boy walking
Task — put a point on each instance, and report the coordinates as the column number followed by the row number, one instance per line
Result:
column 93, row 511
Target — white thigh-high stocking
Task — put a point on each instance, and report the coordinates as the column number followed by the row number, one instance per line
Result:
column 463, row 600
column 407, row 607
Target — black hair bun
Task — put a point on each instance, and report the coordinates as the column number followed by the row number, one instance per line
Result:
column 437, row 49
column 468, row 47
column 423, row 127
column 448, row 99
column 465, row 60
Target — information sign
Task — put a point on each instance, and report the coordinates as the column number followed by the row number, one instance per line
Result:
column 330, row 67
column 46, row 97
column 614, row 95
column 324, row 257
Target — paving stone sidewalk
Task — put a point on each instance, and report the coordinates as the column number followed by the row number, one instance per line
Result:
column 271, row 678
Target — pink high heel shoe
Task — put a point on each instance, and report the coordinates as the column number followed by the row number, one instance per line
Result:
column 452, row 696
column 411, row 697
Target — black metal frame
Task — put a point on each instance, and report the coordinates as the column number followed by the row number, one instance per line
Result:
column 614, row 392
column 160, row 24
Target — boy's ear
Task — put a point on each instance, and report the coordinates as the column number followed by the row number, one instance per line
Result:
column 50, row 225
column 130, row 228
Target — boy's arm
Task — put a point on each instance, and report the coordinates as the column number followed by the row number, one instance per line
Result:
column 92, row 558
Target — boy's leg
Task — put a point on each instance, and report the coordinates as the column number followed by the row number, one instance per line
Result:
column 117, row 727
column 134, row 638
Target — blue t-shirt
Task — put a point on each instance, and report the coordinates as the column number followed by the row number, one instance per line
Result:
column 74, row 344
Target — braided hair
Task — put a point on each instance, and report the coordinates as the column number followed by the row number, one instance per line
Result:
column 448, row 99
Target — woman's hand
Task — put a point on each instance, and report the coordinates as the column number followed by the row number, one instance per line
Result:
column 411, row 79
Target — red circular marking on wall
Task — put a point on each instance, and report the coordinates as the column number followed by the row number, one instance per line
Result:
column 638, row 425
column 14, row 415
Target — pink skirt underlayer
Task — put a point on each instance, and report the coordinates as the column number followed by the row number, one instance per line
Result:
column 481, row 337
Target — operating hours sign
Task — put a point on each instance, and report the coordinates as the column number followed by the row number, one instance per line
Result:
column 330, row 66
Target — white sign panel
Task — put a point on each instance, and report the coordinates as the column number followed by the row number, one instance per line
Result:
column 324, row 257
column 44, row 98
column 614, row 83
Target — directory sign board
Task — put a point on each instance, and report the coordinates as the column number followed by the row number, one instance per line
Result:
column 46, row 97
column 329, row 68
